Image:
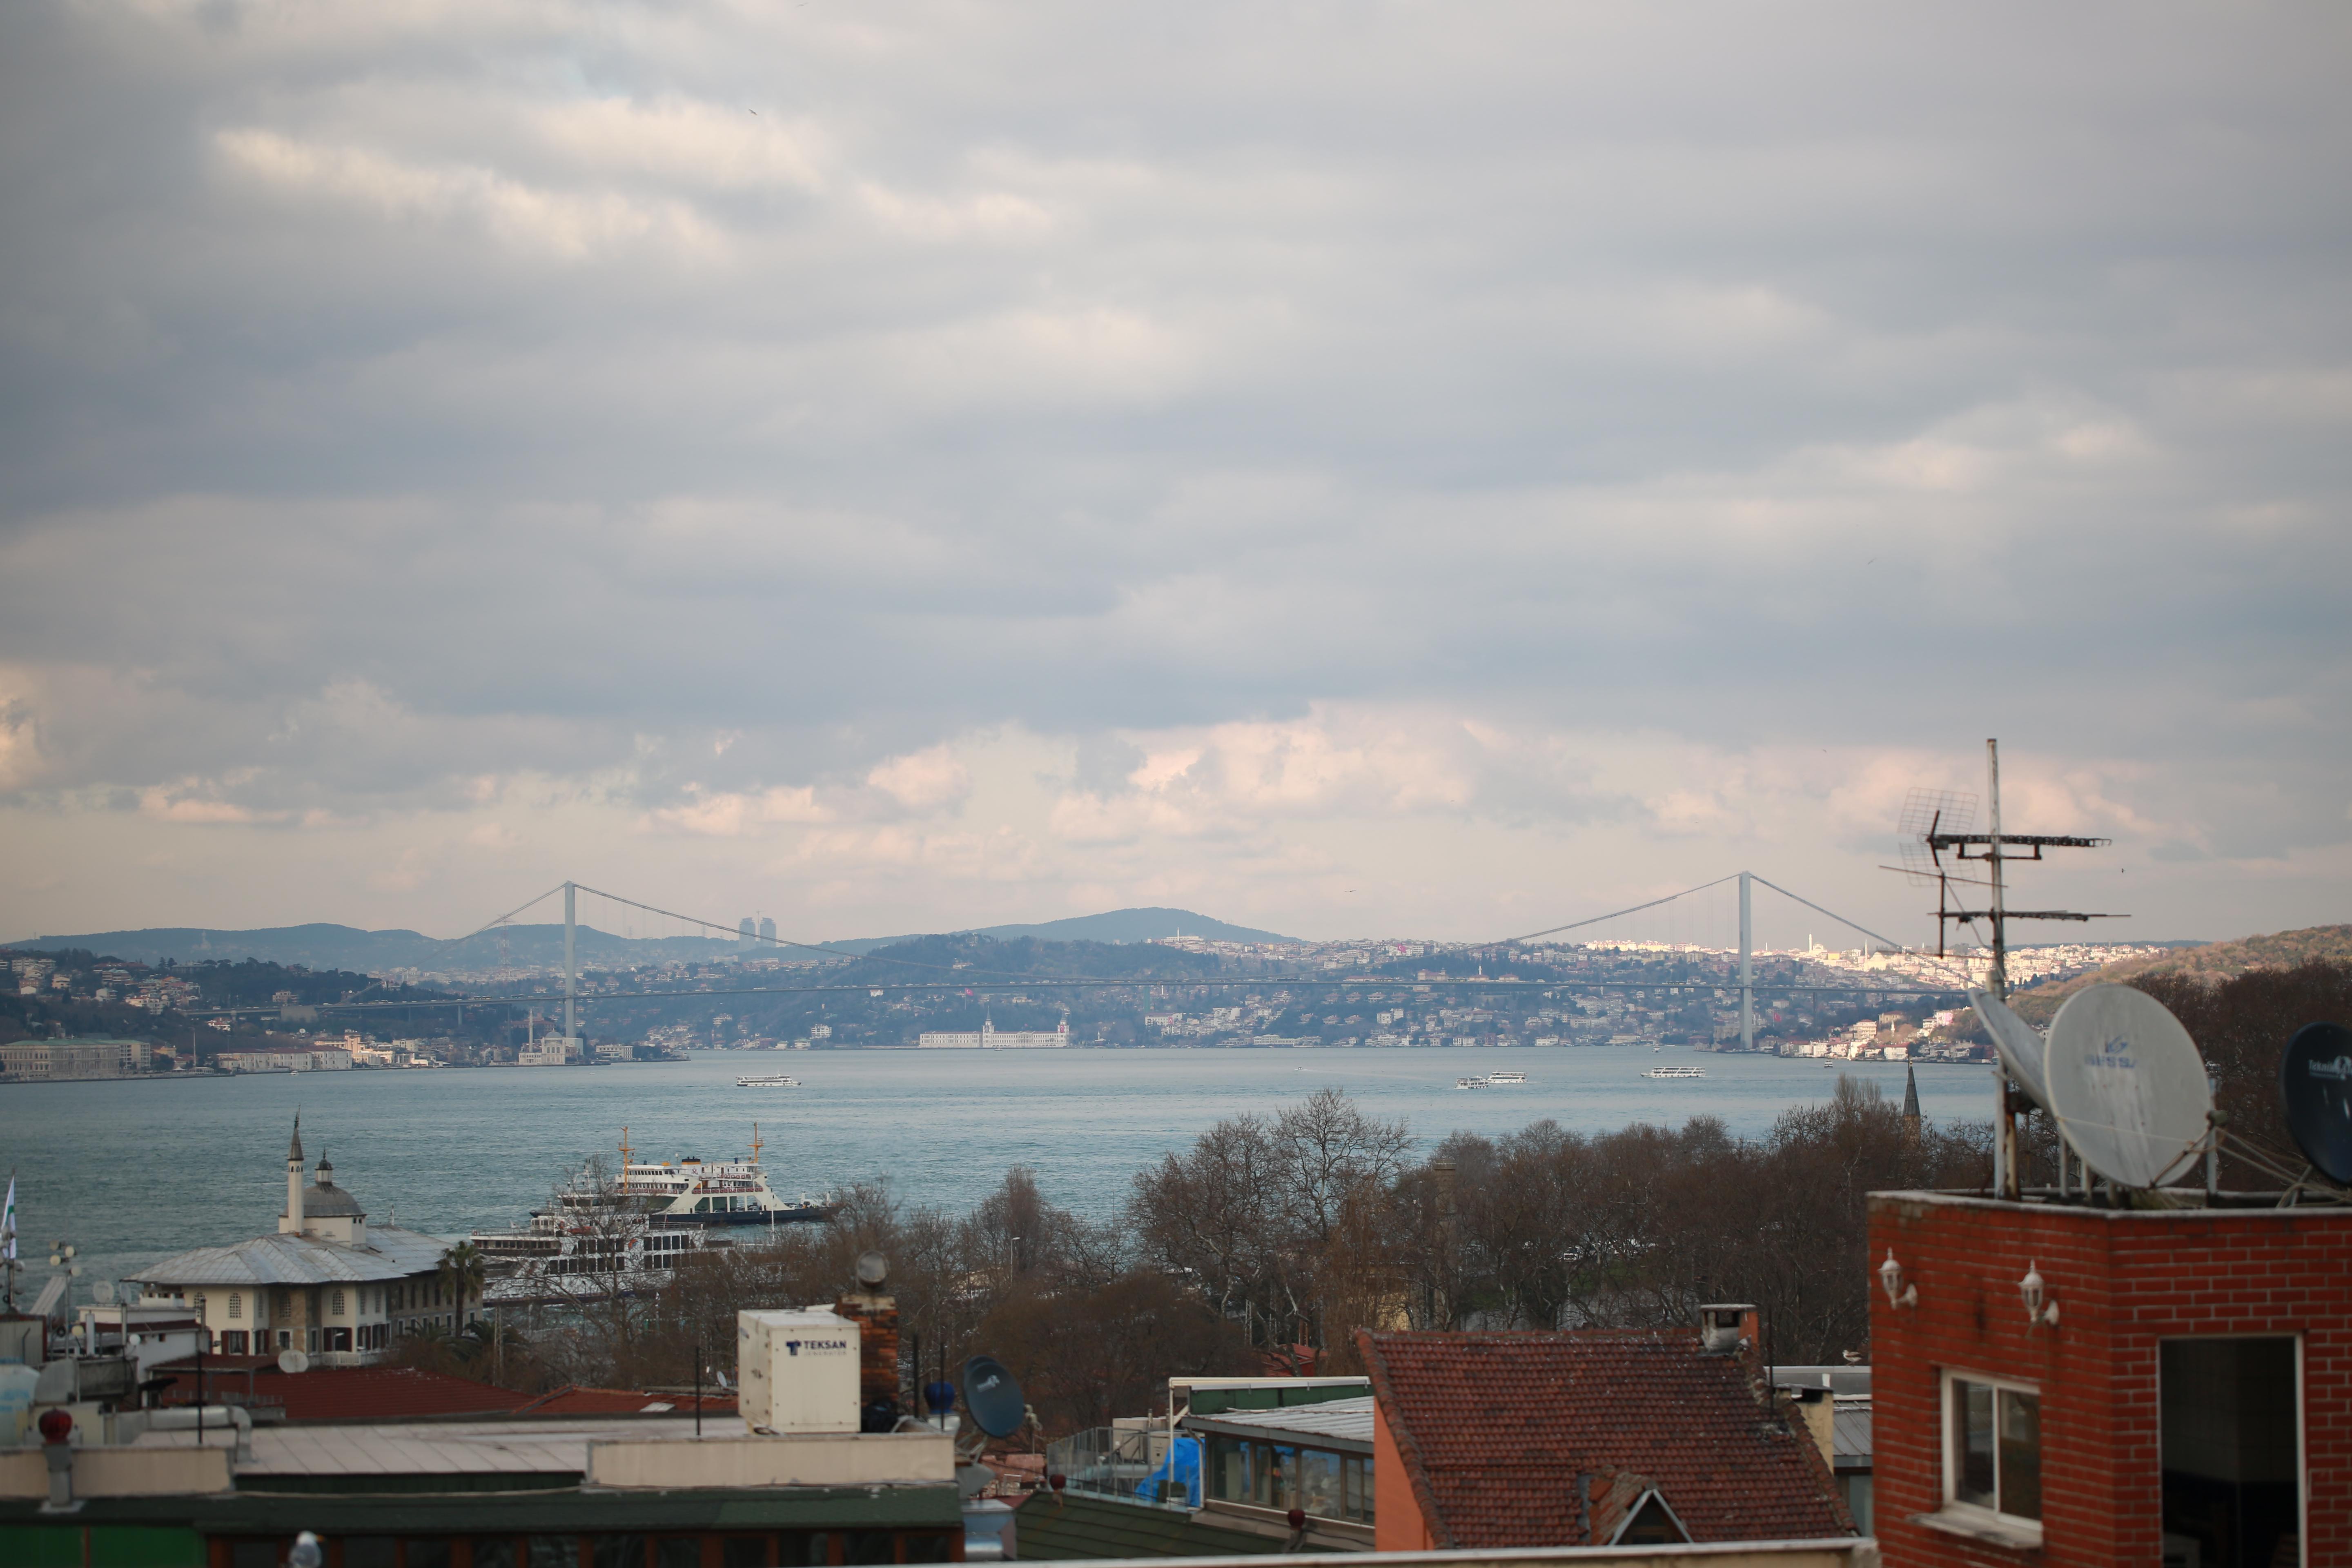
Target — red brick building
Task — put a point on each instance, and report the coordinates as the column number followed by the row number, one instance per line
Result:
column 1590, row 1438
column 2182, row 1395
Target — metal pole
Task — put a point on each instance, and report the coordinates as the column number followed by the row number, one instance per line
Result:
column 571, row 962
column 1747, row 968
column 2008, row 1181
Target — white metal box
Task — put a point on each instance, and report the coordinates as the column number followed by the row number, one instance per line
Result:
column 798, row 1370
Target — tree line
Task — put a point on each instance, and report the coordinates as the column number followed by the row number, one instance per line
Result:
column 1267, row 1241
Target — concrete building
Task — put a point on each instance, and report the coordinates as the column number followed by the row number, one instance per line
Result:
column 990, row 1038
column 327, row 1283
column 74, row 1059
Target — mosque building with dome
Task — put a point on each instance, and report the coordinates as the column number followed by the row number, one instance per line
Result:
column 328, row 1283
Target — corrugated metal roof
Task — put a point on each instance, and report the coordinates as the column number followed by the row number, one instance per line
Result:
column 1850, row 1434
column 1349, row 1420
column 1060, row 1526
column 390, row 1254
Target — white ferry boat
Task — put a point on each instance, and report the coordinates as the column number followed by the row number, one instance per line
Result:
column 650, row 1211
column 1505, row 1076
column 1675, row 1072
column 769, row 1081
column 1469, row 1083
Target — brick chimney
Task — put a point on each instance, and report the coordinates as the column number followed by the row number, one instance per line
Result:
column 876, row 1315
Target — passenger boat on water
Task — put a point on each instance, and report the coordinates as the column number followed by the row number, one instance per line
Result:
column 769, row 1081
column 648, row 1217
column 1505, row 1078
column 1675, row 1072
column 1469, row 1083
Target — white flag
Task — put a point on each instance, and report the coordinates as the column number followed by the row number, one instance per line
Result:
column 8, row 1223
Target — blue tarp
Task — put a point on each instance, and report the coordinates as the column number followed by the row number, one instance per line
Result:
column 1182, row 1467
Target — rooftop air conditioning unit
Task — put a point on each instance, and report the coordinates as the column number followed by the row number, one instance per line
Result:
column 799, row 1371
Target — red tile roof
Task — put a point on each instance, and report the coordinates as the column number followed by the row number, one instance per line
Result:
column 574, row 1400
column 339, row 1393
column 1494, row 1431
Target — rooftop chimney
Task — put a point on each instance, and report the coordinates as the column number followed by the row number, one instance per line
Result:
column 1727, row 1327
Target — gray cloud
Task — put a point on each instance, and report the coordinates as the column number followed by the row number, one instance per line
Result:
column 682, row 406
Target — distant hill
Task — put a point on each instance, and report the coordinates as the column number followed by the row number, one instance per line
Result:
column 326, row 946
column 1118, row 925
column 2211, row 960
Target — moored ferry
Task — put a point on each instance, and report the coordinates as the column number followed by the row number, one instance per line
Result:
column 648, row 1214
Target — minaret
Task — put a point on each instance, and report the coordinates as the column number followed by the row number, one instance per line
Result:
column 1910, row 1108
column 291, row 1224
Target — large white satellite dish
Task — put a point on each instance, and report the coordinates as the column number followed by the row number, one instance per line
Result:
column 2015, row 1041
column 2126, row 1085
column 293, row 1362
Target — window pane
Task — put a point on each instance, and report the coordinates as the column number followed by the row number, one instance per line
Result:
column 743, row 1551
column 1972, row 1443
column 493, row 1552
column 616, row 1552
column 679, row 1551
column 555, row 1551
column 2021, row 1454
column 920, row 1548
column 1319, row 1482
column 426, row 1551
column 254, row 1554
column 2232, row 1475
column 871, row 1546
column 369, row 1551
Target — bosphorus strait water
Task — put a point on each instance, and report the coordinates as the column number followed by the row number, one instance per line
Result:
column 132, row 1170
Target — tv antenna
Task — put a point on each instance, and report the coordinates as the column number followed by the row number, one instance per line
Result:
column 1946, row 829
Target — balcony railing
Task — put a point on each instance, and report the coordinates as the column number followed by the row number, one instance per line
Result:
column 1117, row 1462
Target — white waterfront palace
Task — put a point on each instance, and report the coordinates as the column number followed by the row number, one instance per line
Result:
column 992, row 1038
column 328, row 1283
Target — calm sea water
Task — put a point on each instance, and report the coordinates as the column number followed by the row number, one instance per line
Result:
column 135, row 1170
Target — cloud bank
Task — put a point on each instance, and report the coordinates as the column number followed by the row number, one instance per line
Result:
column 1344, row 467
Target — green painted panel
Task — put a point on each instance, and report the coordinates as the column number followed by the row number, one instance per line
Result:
column 141, row 1546
column 41, row 1546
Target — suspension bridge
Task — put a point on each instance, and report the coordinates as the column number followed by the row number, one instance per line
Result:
column 1685, row 922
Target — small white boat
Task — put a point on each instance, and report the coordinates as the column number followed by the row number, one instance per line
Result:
column 1505, row 1076
column 772, row 1080
column 1469, row 1083
column 1675, row 1072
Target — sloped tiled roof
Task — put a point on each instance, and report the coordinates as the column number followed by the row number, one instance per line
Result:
column 1092, row 1529
column 343, row 1393
column 1494, row 1429
column 574, row 1400
column 390, row 1254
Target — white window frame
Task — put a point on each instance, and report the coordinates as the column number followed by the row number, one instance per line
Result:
column 1952, row 1507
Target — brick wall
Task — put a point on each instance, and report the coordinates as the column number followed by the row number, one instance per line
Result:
column 2123, row 1282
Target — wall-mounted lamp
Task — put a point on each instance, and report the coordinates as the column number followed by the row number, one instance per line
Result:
column 2039, row 1307
column 1890, row 1275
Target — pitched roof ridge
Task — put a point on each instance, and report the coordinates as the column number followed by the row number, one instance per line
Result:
column 1386, row 1408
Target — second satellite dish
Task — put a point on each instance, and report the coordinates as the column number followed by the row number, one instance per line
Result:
column 2316, row 1082
column 992, row 1398
column 293, row 1362
column 2126, row 1085
column 2015, row 1042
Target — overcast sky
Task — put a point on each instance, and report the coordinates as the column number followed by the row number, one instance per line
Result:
column 1399, row 468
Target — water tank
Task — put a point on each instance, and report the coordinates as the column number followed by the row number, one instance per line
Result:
column 798, row 1370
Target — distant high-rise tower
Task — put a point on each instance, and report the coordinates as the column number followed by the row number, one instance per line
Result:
column 767, row 929
column 744, row 929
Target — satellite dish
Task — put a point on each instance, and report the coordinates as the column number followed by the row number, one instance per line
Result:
column 2316, row 1082
column 291, row 1362
column 2126, row 1085
column 2015, row 1042
column 992, row 1396
column 102, row 1292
